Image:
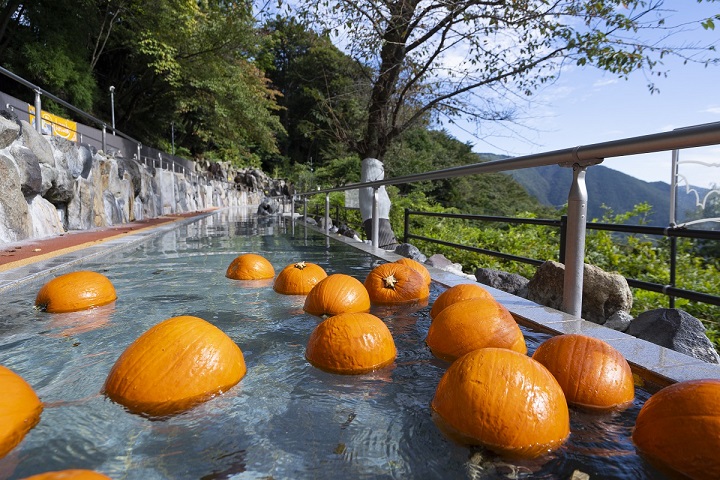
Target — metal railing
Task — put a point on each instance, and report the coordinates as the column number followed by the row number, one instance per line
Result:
column 579, row 159
column 669, row 289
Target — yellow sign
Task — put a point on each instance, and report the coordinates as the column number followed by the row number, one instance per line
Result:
column 54, row 125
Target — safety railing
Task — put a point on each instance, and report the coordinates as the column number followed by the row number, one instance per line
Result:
column 670, row 289
column 579, row 159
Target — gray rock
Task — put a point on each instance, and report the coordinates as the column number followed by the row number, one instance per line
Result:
column 9, row 131
column 268, row 207
column 39, row 145
column 29, row 169
column 309, row 221
column 410, row 251
column 507, row 282
column 14, row 217
column 440, row 262
column 62, row 185
column 674, row 329
column 77, row 159
column 603, row 293
column 45, row 218
column 619, row 321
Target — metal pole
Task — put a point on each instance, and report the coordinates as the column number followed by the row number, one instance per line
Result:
column 305, row 207
column 38, row 112
column 375, row 219
column 673, row 187
column 172, row 128
column 104, row 138
column 112, row 107
column 138, row 150
column 575, row 250
column 327, row 214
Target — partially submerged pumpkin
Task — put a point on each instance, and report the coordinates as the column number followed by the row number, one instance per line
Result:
column 504, row 401
column 458, row 293
column 173, row 366
column 351, row 343
column 395, row 283
column 298, row 278
column 250, row 266
column 418, row 267
column 335, row 294
column 74, row 474
column 75, row 291
column 591, row 372
column 471, row 324
column 677, row 429
column 20, row 409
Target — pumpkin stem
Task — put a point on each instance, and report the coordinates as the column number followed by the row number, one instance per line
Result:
column 390, row 281
column 301, row 265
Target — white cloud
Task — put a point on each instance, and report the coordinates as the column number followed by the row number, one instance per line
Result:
column 605, row 83
column 713, row 110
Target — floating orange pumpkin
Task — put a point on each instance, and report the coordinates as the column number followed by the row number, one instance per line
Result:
column 173, row 366
column 335, row 294
column 298, row 278
column 677, row 429
column 471, row 324
column 20, row 409
column 69, row 475
column 463, row 291
column 504, row 401
column 351, row 343
column 418, row 267
column 250, row 266
column 75, row 291
column 591, row 372
column 395, row 283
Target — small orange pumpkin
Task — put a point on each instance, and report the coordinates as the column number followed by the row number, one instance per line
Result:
column 677, row 429
column 395, row 283
column 75, row 474
column 173, row 366
column 457, row 293
column 504, row 401
column 250, row 266
column 75, row 291
column 351, row 343
column 471, row 324
column 591, row 372
column 335, row 294
column 418, row 267
column 20, row 409
column 298, row 278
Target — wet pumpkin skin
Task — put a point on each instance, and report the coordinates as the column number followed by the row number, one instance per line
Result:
column 73, row 474
column 593, row 375
column 504, row 401
column 471, row 324
column 677, row 429
column 173, row 366
column 457, row 293
column 250, row 266
column 350, row 344
column 336, row 294
column 75, row 291
column 391, row 283
column 20, row 409
column 418, row 267
column 298, row 278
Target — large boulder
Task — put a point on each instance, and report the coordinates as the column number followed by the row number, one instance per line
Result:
column 441, row 262
column 410, row 251
column 507, row 282
column 268, row 207
column 31, row 181
column 14, row 218
column 39, row 145
column 77, row 159
column 674, row 329
column 603, row 293
column 9, row 131
column 46, row 221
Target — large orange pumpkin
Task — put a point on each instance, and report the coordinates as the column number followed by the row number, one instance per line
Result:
column 250, row 266
column 678, row 429
column 591, row 372
column 351, row 343
column 471, row 324
column 395, row 283
column 75, row 291
column 173, row 366
column 418, row 267
column 458, row 293
column 504, row 401
column 298, row 278
column 335, row 294
column 69, row 475
column 20, row 409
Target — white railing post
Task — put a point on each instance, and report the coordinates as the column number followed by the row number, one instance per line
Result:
column 38, row 112
column 575, row 248
column 104, row 138
column 375, row 219
column 327, row 213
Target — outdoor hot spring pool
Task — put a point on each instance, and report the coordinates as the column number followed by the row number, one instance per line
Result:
column 285, row 419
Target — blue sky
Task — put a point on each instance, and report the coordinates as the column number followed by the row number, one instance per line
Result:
column 587, row 106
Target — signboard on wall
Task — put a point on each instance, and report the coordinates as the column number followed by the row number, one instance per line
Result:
column 54, row 125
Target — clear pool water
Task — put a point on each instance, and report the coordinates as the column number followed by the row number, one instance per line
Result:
column 285, row 419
